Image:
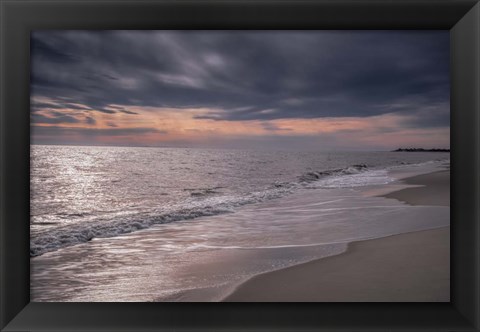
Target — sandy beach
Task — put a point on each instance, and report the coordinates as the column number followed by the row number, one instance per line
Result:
column 411, row 267
column 434, row 189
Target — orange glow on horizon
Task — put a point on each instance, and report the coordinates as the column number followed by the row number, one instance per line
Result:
column 174, row 125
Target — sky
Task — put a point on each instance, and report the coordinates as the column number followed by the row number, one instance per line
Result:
column 324, row 90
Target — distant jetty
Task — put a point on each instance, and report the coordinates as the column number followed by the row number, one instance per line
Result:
column 420, row 150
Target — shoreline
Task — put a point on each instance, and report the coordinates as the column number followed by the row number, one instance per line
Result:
column 429, row 189
column 369, row 271
column 209, row 268
column 41, row 240
column 408, row 267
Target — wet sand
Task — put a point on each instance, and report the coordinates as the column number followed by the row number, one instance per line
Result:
column 411, row 267
column 434, row 189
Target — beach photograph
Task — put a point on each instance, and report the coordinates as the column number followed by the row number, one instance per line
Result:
column 240, row 166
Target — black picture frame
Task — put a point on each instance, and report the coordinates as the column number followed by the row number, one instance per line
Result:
column 19, row 17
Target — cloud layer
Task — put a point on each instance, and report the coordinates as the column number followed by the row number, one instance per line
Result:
column 240, row 76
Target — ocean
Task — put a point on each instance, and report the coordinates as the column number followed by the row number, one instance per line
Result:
column 132, row 223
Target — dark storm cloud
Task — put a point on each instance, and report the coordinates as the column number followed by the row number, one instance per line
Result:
column 127, row 112
column 429, row 117
column 61, row 105
column 42, row 50
column 54, row 119
column 248, row 75
column 272, row 127
column 36, row 106
column 105, row 110
column 90, row 121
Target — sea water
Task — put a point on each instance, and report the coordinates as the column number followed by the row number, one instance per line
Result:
column 146, row 224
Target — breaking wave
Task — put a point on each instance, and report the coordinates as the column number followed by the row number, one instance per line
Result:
column 203, row 203
column 54, row 239
column 314, row 176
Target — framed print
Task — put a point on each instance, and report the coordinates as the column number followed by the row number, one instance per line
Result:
column 323, row 155
column 147, row 158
